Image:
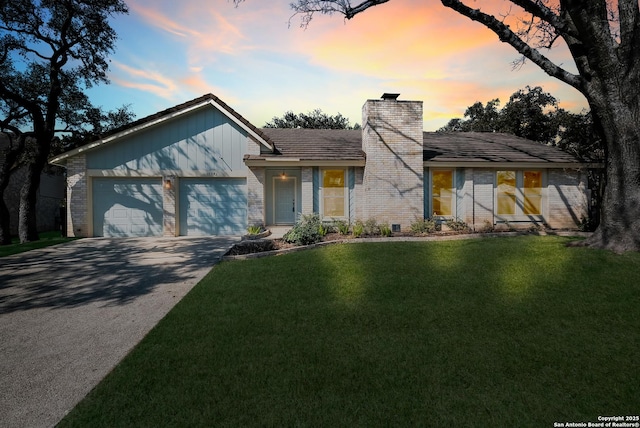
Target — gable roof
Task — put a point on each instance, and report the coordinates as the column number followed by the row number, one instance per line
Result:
column 170, row 113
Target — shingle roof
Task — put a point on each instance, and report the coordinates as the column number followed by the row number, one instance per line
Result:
column 489, row 147
column 330, row 144
column 316, row 144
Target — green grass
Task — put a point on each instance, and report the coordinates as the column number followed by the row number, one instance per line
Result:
column 494, row 332
column 46, row 240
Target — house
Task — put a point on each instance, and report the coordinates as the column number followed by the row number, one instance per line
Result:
column 200, row 168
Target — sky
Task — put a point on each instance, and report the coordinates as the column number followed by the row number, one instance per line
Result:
column 257, row 59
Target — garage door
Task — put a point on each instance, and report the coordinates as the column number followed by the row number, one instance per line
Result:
column 127, row 207
column 213, row 206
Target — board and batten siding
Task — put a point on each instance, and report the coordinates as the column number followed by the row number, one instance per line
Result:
column 201, row 141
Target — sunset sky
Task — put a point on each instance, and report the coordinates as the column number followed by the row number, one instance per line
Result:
column 170, row 52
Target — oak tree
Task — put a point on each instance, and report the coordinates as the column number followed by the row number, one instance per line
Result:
column 51, row 51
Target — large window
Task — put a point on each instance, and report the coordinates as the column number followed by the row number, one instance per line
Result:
column 519, row 193
column 442, row 192
column 334, row 193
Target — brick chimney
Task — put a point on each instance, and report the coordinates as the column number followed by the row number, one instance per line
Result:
column 392, row 138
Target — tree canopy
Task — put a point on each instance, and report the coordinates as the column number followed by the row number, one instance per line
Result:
column 316, row 119
column 51, row 51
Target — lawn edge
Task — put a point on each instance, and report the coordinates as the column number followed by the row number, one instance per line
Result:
column 405, row 239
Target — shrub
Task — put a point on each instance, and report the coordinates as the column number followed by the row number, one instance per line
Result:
column 358, row 229
column 323, row 229
column 457, row 225
column 371, row 227
column 424, row 225
column 385, row 229
column 306, row 230
column 342, row 226
column 254, row 230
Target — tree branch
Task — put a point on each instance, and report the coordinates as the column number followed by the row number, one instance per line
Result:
column 506, row 35
column 350, row 12
column 629, row 16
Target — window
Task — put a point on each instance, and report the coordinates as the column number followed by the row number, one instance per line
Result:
column 506, row 197
column 442, row 192
column 519, row 193
column 532, row 192
column 334, row 193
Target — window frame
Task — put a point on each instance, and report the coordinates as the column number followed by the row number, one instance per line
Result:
column 454, row 195
column 345, row 187
column 519, row 214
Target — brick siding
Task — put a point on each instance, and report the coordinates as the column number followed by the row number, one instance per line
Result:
column 77, row 194
column 394, row 176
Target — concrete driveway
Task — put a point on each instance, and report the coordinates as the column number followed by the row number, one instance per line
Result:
column 70, row 313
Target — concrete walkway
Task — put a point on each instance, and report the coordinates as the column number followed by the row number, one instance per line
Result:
column 70, row 313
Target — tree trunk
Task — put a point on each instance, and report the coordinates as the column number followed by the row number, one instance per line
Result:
column 8, row 158
column 5, row 221
column 619, row 228
column 27, row 221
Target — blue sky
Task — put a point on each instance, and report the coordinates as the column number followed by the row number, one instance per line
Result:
column 170, row 52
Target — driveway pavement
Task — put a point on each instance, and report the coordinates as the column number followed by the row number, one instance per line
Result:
column 70, row 313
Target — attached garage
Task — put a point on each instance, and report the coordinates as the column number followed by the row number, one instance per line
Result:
column 212, row 206
column 127, row 207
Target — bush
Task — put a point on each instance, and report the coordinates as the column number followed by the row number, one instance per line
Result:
column 254, row 230
column 306, row 230
column 457, row 225
column 371, row 227
column 424, row 225
column 358, row 229
column 385, row 229
column 323, row 229
column 342, row 226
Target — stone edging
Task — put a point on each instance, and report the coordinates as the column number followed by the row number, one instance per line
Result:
column 403, row 239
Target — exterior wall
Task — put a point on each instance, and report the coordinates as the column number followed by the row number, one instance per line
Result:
column 393, row 178
column 357, row 208
column 204, row 141
column 77, row 197
column 307, row 190
column 482, row 206
column 567, row 200
column 169, row 206
column 255, row 196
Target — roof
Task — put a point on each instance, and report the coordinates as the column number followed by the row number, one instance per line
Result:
column 489, row 147
column 207, row 99
column 316, row 144
column 439, row 148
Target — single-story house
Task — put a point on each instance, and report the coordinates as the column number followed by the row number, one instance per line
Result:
column 200, row 168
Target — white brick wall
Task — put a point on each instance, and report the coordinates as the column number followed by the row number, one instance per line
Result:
column 307, row 190
column 255, row 196
column 394, row 175
column 566, row 198
column 77, row 194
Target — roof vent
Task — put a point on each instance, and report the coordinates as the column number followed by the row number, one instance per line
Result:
column 388, row 96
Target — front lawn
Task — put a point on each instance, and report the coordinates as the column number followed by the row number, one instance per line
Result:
column 486, row 332
column 46, row 240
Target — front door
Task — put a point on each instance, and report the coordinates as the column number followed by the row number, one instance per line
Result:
column 284, row 200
